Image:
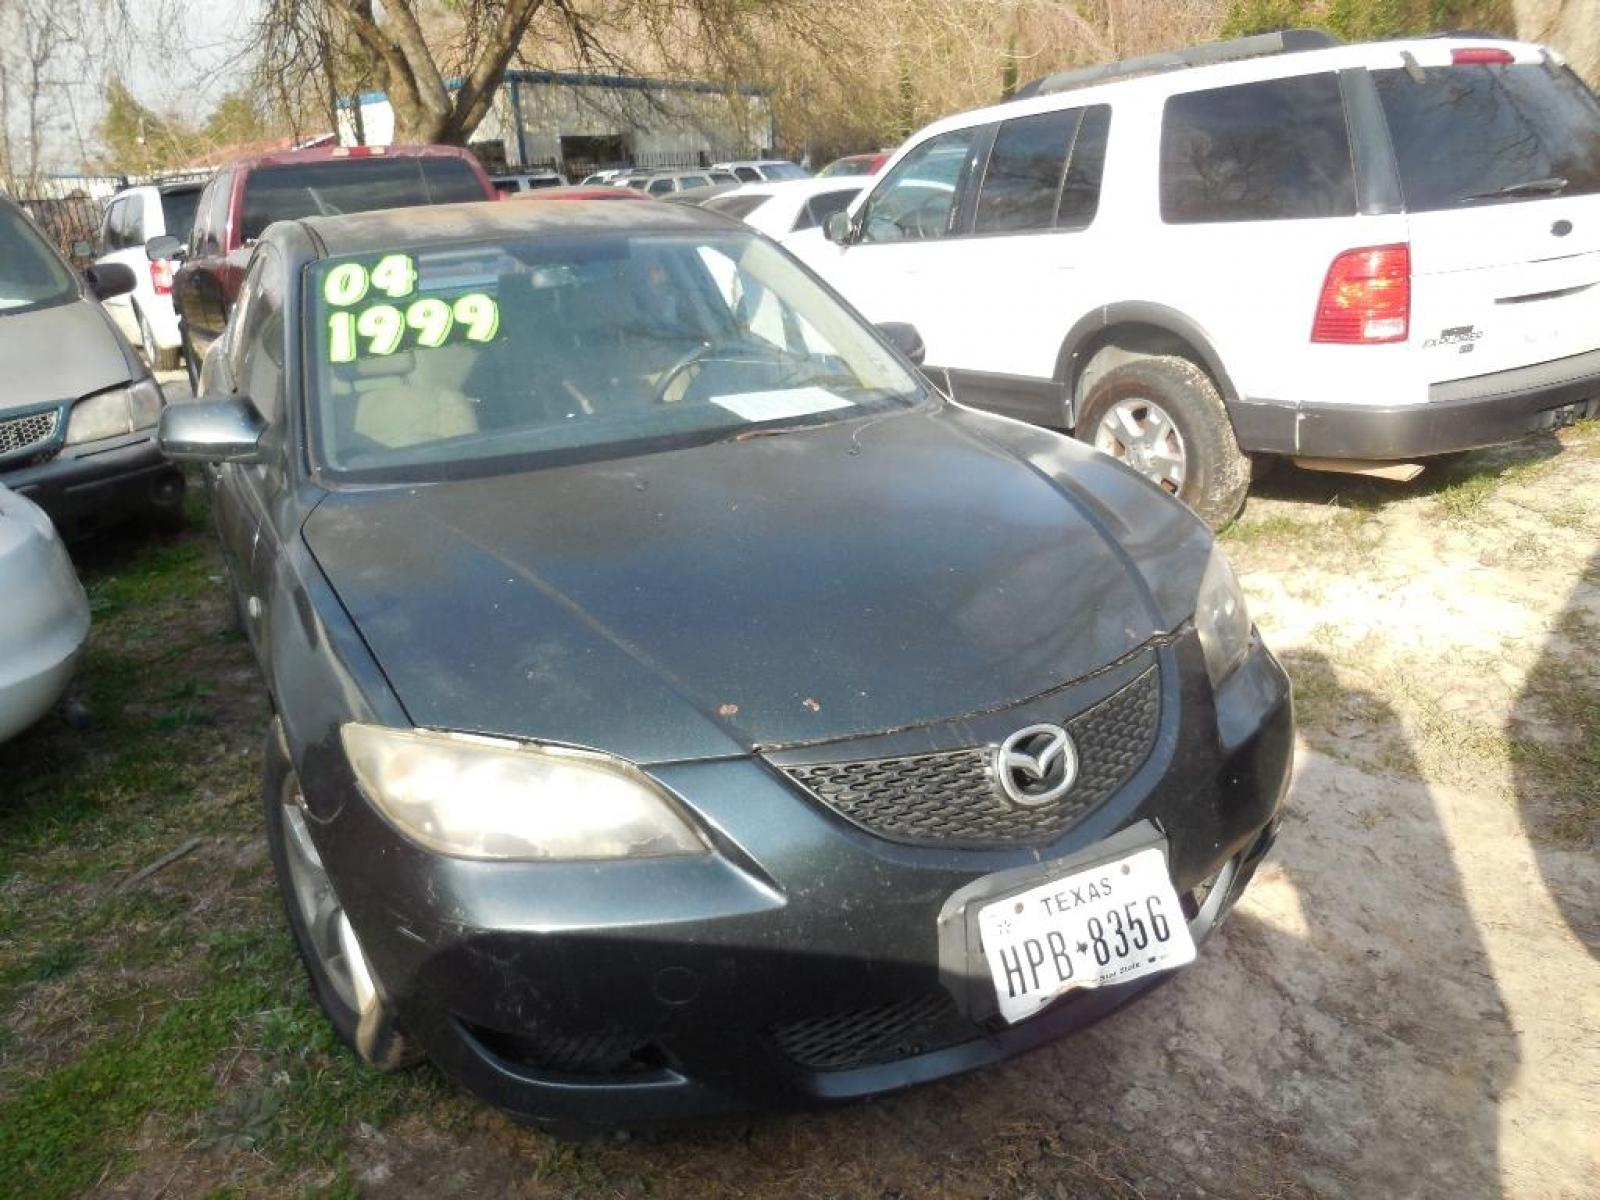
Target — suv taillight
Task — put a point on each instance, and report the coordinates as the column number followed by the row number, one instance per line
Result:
column 161, row 276
column 1366, row 298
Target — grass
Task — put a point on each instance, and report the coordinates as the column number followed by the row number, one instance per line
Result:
column 179, row 1001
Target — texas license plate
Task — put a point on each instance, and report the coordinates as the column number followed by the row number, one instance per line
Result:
column 1110, row 924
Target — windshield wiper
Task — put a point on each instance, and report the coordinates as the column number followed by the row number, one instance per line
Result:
column 1552, row 186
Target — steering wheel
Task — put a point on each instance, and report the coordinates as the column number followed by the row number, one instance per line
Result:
column 679, row 366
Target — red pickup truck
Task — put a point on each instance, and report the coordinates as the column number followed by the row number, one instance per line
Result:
column 245, row 197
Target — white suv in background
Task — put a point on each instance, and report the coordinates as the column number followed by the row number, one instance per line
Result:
column 146, row 315
column 1348, row 255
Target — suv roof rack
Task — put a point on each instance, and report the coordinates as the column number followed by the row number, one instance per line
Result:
column 1261, row 45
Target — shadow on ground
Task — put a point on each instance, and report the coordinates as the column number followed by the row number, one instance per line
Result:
column 1285, row 481
column 1554, row 730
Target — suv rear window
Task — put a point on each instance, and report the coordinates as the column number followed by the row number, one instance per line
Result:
column 351, row 185
column 1269, row 151
column 1464, row 134
column 177, row 212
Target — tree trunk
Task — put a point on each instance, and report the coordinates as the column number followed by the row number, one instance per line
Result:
column 1571, row 26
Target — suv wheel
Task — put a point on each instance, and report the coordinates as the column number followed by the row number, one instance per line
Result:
column 329, row 948
column 158, row 358
column 1162, row 416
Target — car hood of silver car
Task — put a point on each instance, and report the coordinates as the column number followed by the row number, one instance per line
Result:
column 58, row 353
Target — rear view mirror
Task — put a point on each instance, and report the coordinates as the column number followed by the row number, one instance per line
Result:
column 837, row 227
column 106, row 280
column 904, row 338
column 211, row 431
column 165, row 246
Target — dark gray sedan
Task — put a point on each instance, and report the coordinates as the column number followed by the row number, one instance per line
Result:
column 682, row 708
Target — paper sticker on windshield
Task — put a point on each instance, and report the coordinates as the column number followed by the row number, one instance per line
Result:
column 776, row 406
column 372, row 323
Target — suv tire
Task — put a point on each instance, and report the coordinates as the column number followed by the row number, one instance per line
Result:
column 160, row 358
column 1163, row 417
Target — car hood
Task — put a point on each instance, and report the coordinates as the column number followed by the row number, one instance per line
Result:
column 817, row 584
column 58, row 353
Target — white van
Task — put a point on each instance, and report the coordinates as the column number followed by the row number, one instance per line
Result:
column 134, row 216
column 1345, row 254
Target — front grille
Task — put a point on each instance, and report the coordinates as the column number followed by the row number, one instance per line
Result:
column 602, row 1052
column 952, row 796
column 32, row 431
column 868, row 1036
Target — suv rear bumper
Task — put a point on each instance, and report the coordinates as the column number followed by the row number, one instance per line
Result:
column 1464, row 414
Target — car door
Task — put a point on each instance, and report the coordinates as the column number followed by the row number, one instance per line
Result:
column 233, row 501
column 900, row 261
column 256, row 353
column 186, row 284
column 204, row 311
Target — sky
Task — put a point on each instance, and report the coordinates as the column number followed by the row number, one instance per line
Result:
column 174, row 58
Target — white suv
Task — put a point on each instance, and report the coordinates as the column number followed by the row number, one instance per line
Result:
column 1349, row 255
column 134, row 216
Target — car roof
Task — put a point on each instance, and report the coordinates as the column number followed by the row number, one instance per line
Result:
column 441, row 224
column 810, row 186
column 338, row 153
column 1432, row 51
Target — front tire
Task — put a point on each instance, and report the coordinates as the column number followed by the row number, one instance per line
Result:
column 1163, row 417
column 341, row 980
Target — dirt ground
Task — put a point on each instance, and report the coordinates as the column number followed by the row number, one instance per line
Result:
column 1405, row 1004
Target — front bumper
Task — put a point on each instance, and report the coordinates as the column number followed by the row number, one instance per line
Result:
column 1464, row 414
column 101, row 483
column 799, row 965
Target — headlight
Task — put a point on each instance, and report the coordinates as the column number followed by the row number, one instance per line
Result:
column 1221, row 618
column 113, row 413
column 488, row 798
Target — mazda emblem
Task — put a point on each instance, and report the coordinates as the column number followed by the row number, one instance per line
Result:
column 1561, row 228
column 1036, row 765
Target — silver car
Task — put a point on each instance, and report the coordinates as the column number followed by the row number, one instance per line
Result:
column 78, row 409
column 46, row 614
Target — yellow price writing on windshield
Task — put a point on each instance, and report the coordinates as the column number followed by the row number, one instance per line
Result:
column 380, row 330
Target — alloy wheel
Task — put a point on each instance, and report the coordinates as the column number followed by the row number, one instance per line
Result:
column 1144, row 436
column 327, row 928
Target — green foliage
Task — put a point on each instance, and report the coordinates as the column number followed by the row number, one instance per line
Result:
column 140, row 140
column 1368, row 20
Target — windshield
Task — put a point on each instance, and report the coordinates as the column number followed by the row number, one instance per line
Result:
column 350, row 185
column 177, row 212
column 783, row 171
column 1486, row 134
column 470, row 359
column 32, row 275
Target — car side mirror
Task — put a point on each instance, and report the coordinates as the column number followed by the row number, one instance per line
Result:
column 212, row 430
column 164, row 246
column 106, row 280
column 836, row 228
column 904, row 338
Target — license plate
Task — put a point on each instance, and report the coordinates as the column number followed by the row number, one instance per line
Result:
column 1110, row 924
